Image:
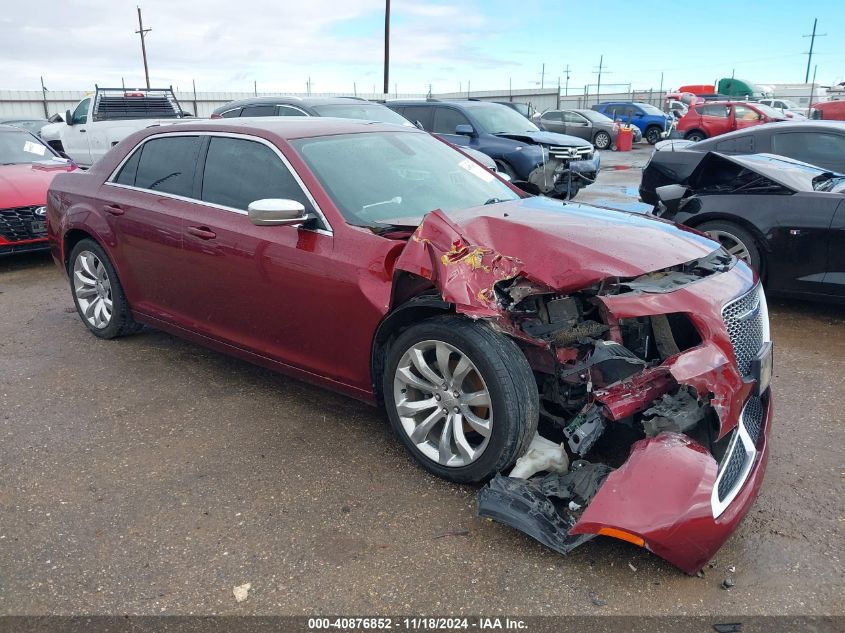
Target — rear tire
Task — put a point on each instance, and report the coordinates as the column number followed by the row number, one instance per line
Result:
column 602, row 140
column 736, row 240
column 653, row 135
column 695, row 135
column 97, row 292
column 496, row 409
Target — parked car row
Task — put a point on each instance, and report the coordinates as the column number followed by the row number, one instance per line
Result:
column 469, row 308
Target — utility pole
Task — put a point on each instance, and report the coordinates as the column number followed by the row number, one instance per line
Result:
column 558, row 93
column 386, row 49
column 601, row 69
column 660, row 92
column 255, row 87
column 468, row 82
column 44, row 98
column 566, row 89
column 812, row 37
column 542, row 76
column 143, row 33
column 812, row 90
column 510, row 88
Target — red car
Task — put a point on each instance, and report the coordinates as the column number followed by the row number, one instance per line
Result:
column 829, row 110
column 719, row 117
column 380, row 262
column 27, row 167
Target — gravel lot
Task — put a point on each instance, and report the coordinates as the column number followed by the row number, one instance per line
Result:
column 148, row 475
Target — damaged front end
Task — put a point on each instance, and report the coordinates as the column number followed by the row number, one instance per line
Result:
column 654, row 395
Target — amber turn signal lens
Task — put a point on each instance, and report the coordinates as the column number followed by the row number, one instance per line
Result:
column 622, row 535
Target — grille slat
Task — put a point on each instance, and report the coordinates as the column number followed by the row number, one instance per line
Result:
column 744, row 321
column 732, row 468
column 16, row 224
column 752, row 417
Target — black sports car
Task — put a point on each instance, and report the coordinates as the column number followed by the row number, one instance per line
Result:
column 819, row 143
column 783, row 217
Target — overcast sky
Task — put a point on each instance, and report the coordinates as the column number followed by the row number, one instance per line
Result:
column 226, row 45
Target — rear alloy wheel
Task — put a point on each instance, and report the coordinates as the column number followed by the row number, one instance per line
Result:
column 461, row 397
column 734, row 239
column 97, row 292
column 653, row 135
column 602, row 140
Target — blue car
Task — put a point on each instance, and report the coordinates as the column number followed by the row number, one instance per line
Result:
column 548, row 163
column 652, row 122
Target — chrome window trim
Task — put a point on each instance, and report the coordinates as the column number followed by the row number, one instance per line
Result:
column 110, row 180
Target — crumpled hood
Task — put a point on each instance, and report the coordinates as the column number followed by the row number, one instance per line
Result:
column 548, row 138
column 26, row 185
column 571, row 246
column 566, row 247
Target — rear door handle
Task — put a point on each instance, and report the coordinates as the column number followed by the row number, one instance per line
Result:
column 202, row 232
column 113, row 209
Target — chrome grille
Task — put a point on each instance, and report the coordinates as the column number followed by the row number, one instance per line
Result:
column 745, row 321
column 584, row 152
column 17, row 224
column 739, row 458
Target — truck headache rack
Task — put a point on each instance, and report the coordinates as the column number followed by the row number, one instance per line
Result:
column 111, row 104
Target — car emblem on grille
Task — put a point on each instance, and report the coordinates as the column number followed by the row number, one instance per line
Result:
column 750, row 314
column 40, row 212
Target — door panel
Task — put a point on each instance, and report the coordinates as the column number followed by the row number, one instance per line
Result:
column 576, row 125
column 835, row 277
column 75, row 136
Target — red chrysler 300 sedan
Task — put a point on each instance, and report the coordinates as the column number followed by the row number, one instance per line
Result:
column 606, row 373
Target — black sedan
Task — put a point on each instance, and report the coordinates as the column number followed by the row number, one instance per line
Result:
column 819, row 143
column 783, row 217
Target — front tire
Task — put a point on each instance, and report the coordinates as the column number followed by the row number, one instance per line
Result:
column 97, row 292
column 460, row 397
column 736, row 240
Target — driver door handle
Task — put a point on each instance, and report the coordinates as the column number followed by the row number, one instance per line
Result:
column 202, row 232
column 113, row 209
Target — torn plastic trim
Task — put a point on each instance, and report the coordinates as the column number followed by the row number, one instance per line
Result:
column 670, row 279
column 526, row 504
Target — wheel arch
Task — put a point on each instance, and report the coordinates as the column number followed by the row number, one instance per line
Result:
column 70, row 239
column 759, row 239
column 694, row 130
column 414, row 298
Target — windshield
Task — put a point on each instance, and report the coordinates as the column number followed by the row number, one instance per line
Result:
column 383, row 178
column 595, row 117
column 770, row 112
column 650, row 109
column 33, row 125
column 499, row 119
column 21, row 147
column 365, row 111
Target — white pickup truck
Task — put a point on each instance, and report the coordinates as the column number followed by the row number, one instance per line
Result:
column 103, row 119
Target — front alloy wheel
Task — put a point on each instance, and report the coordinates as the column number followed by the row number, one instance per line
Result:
column 460, row 396
column 443, row 403
column 92, row 287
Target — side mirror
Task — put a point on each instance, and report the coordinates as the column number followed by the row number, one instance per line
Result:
column 276, row 212
column 464, row 129
column 68, row 118
column 671, row 196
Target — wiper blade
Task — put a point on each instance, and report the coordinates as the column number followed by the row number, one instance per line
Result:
column 494, row 201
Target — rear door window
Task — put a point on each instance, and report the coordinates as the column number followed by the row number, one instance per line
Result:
column 231, row 114
column 168, row 164
column 739, row 145
column 718, row 111
column 126, row 176
column 239, row 171
column 421, row 114
column 286, row 110
column 552, row 115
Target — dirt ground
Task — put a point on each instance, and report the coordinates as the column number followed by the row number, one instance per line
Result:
column 147, row 475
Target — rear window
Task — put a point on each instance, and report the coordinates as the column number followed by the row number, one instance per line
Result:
column 719, row 111
column 259, row 110
column 168, row 165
